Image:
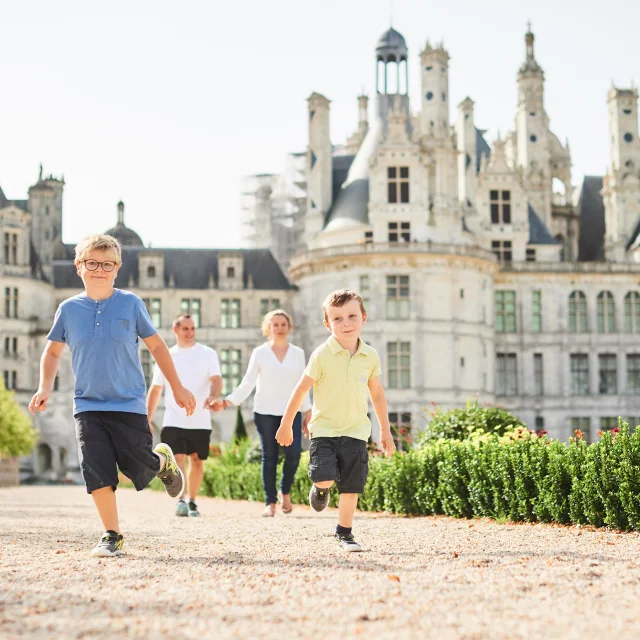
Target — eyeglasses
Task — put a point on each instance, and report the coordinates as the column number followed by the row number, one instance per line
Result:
column 92, row 265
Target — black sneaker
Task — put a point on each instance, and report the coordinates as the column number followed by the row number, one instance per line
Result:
column 110, row 545
column 347, row 543
column 193, row 510
column 318, row 498
column 170, row 474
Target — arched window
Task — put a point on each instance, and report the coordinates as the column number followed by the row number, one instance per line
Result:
column 578, row 313
column 632, row 312
column 151, row 271
column 45, row 458
column 606, row 312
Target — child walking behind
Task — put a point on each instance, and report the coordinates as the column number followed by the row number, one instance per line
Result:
column 102, row 326
column 342, row 372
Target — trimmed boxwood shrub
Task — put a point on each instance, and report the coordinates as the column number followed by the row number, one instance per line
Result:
column 522, row 478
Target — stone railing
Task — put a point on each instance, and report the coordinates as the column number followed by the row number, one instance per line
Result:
column 570, row 267
column 375, row 248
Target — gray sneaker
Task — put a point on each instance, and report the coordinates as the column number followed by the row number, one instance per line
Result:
column 170, row 474
column 193, row 510
column 110, row 545
column 347, row 543
column 318, row 498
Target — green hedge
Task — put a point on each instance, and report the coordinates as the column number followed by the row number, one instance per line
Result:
column 522, row 479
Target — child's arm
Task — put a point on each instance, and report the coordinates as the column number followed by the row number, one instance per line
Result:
column 379, row 401
column 48, row 367
column 161, row 355
column 284, row 435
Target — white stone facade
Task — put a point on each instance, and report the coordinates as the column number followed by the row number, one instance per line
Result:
column 498, row 297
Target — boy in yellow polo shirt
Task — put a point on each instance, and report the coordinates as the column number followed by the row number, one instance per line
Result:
column 343, row 372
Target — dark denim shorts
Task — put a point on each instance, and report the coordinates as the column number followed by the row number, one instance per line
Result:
column 111, row 439
column 187, row 441
column 344, row 460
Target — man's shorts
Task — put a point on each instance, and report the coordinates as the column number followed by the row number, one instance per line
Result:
column 342, row 459
column 111, row 439
column 187, row 441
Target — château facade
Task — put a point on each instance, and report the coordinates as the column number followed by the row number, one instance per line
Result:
column 484, row 273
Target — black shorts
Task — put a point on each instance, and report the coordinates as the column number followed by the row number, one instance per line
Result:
column 344, row 460
column 187, row 441
column 111, row 439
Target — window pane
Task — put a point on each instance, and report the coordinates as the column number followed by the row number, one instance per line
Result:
column 393, row 192
column 404, row 192
column 404, row 172
column 391, row 172
column 506, row 195
column 493, row 195
column 506, row 213
column 495, row 214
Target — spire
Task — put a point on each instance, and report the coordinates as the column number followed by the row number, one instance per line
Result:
column 40, row 174
column 530, row 65
column 121, row 213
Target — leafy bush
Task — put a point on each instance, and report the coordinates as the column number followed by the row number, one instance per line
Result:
column 470, row 422
column 519, row 477
column 17, row 436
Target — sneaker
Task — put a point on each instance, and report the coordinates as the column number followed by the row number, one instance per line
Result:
column 193, row 510
column 170, row 474
column 110, row 545
column 318, row 498
column 182, row 509
column 347, row 542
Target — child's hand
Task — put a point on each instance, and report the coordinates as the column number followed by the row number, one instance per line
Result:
column 305, row 423
column 284, row 435
column 39, row 401
column 184, row 399
column 388, row 445
column 216, row 406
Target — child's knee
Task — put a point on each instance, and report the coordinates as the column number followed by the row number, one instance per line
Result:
column 327, row 484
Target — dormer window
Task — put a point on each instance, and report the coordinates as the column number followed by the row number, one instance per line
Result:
column 11, row 248
column 151, row 271
column 500, row 202
column 398, row 185
column 231, row 272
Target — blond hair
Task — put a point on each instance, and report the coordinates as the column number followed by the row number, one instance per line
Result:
column 98, row 242
column 266, row 322
column 339, row 299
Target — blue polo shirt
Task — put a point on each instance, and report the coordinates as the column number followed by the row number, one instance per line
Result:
column 103, row 338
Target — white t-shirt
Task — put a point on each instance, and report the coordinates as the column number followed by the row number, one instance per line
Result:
column 195, row 366
column 274, row 380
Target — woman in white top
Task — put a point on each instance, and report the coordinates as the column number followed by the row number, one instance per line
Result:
column 274, row 370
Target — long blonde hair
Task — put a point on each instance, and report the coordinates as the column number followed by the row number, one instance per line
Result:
column 266, row 322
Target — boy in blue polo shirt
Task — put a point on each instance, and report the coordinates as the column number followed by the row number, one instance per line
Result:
column 102, row 327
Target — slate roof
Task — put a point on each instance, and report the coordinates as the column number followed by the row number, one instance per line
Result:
column 538, row 232
column 592, row 224
column 189, row 268
column 21, row 204
column 482, row 148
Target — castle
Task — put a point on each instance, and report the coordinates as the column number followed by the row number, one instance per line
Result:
column 482, row 274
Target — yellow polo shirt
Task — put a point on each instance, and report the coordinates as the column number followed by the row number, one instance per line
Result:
column 340, row 390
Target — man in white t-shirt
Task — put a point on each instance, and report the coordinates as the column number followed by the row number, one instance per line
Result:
column 199, row 369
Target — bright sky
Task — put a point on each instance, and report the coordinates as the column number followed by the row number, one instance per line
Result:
column 166, row 105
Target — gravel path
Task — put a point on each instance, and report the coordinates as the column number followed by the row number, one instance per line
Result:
column 233, row 574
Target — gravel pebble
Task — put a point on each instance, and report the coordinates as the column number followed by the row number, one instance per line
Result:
column 234, row 574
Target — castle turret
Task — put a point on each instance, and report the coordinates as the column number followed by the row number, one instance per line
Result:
column 532, row 128
column 466, row 140
column 621, row 189
column 319, row 166
column 45, row 206
column 434, row 117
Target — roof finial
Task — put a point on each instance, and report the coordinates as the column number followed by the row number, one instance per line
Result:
column 40, row 174
column 121, row 212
